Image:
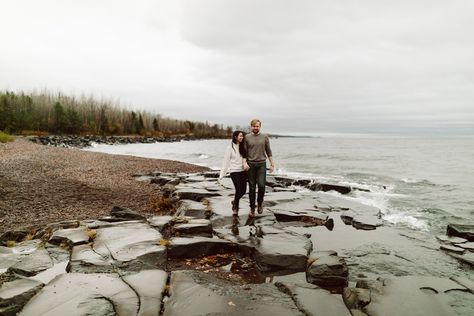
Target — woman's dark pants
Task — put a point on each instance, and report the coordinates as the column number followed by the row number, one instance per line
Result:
column 240, row 183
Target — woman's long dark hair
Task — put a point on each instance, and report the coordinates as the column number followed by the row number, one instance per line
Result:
column 241, row 145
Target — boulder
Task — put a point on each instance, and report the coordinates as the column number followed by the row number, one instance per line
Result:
column 329, row 187
column 328, row 272
column 347, row 217
column 126, row 214
column 356, row 298
column 366, row 222
column 465, row 231
column 13, row 235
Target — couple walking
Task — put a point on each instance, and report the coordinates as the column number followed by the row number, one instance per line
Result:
column 246, row 159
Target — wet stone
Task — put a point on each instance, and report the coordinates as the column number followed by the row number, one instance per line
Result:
column 452, row 249
column 149, row 285
column 356, row 298
column 277, row 189
column 33, row 263
column 130, row 246
column 315, row 255
column 193, row 209
column 195, row 247
column 162, row 180
column 194, row 194
column 85, row 260
column 284, row 251
column 285, row 181
column 197, row 293
column 366, row 222
column 15, row 294
column 99, row 294
column 328, row 272
column 14, row 235
column 125, row 214
column 451, row 240
column 329, row 187
column 160, row 222
column 468, row 246
column 467, row 258
column 412, row 295
column 313, row 300
column 464, row 231
column 71, row 237
column 194, row 227
column 309, row 217
column 347, row 217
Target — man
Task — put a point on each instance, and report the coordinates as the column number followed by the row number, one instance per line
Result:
column 257, row 146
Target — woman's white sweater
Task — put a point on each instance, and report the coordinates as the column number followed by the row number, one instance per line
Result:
column 233, row 161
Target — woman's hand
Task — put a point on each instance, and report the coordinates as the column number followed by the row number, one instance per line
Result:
column 246, row 167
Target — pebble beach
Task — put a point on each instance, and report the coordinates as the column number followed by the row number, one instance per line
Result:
column 44, row 184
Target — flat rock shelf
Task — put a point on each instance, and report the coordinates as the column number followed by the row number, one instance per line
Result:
column 309, row 253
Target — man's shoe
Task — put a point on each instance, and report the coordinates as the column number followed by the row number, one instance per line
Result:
column 260, row 209
column 252, row 212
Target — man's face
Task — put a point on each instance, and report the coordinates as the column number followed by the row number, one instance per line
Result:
column 255, row 128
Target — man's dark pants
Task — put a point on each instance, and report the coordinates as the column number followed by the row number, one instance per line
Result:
column 257, row 177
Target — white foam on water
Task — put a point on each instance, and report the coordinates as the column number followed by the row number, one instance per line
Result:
column 409, row 180
column 403, row 218
column 203, row 156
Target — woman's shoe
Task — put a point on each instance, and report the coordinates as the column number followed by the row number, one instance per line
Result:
column 235, row 209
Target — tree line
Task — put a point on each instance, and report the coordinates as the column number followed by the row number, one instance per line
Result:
column 37, row 113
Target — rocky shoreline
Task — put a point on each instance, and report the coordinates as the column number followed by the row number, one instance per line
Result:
column 77, row 141
column 311, row 252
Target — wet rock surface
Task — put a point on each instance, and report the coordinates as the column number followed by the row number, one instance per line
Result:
column 296, row 258
column 190, row 289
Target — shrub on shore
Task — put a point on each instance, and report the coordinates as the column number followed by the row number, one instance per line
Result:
column 6, row 137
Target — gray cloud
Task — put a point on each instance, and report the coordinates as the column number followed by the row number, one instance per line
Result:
column 303, row 66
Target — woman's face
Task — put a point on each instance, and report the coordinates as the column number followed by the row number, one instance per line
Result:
column 240, row 138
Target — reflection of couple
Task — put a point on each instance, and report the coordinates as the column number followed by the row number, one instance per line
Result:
column 246, row 158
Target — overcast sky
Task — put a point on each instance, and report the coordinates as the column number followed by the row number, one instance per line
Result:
column 368, row 66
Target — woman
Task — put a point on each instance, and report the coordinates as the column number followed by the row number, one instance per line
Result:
column 233, row 162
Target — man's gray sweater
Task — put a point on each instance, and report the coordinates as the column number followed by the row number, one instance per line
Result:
column 258, row 147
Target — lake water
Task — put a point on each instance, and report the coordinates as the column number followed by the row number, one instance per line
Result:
column 418, row 183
